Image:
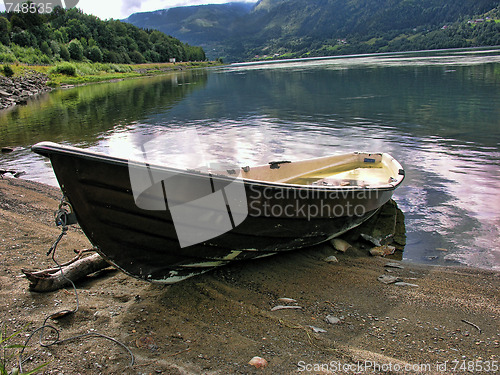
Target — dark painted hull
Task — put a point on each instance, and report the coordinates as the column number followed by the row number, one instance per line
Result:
column 144, row 243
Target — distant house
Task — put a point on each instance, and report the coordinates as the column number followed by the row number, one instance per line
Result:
column 172, row 59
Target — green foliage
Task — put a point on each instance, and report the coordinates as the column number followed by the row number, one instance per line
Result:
column 44, row 47
column 4, row 30
column 27, row 55
column 9, row 351
column 6, row 54
column 7, row 71
column 72, row 35
column 75, row 50
column 64, row 52
column 65, row 68
column 94, row 54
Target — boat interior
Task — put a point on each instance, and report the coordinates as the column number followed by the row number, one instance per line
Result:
column 355, row 169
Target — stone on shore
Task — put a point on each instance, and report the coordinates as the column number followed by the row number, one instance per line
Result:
column 18, row 90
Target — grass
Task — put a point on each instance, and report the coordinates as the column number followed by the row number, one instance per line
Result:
column 76, row 73
column 8, row 352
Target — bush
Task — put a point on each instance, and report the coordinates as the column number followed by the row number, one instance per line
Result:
column 75, row 50
column 64, row 68
column 7, row 70
column 95, row 54
column 7, row 57
column 64, row 53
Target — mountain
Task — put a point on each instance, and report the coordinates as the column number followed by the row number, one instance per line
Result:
column 199, row 25
column 296, row 28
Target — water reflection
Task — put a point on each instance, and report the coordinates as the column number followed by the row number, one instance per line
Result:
column 88, row 116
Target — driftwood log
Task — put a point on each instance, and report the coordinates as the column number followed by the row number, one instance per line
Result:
column 52, row 279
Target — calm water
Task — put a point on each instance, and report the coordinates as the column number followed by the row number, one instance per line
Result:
column 438, row 114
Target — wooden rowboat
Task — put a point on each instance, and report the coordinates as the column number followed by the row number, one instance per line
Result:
column 154, row 223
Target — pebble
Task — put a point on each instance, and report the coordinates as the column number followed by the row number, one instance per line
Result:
column 371, row 239
column 317, row 329
column 401, row 283
column 287, row 300
column 331, row 259
column 340, row 245
column 388, row 279
column 332, row 319
column 394, row 265
column 382, row 250
column 258, row 362
column 281, row 307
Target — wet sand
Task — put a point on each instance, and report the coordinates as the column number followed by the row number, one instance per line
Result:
column 215, row 323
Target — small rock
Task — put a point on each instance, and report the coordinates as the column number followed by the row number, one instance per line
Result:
column 371, row 239
column 332, row 319
column 340, row 245
column 281, row 307
column 401, row 283
column 146, row 342
column 331, row 259
column 388, row 279
column 382, row 251
column 6, row 150
column 287, row 300
column 394, row 265
column 317, row 329
column 258, row 362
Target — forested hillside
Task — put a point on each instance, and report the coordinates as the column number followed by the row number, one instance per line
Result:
column 192, row 23
column 72, row 35
column 300, row 28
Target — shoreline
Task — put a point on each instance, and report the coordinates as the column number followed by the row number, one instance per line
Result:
column 216, row 322
column 30, row 81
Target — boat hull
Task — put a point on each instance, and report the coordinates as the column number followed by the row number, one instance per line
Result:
column 144, row 243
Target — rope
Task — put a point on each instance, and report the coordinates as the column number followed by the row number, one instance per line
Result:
column 62, row 219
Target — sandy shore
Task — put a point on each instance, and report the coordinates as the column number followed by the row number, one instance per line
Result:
column 215, row 323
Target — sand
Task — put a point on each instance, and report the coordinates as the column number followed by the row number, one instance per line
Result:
column 215, row 323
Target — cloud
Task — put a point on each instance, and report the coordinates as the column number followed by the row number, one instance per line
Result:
column 119, row 9
column 131, row 6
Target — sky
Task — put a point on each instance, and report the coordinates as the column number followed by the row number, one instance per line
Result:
column 119, row 9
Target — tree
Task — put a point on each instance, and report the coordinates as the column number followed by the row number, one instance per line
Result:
column 137, row 57
column 64, row 53
column 75, row 50
column 4, row 31
column 44, row 47
column 71, row 34
column 24, row 38
column 95, row 54
column 54, row 46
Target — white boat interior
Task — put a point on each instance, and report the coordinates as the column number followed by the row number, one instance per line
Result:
column 360, row 169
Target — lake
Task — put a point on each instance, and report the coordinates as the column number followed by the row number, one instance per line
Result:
column 438, row 113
